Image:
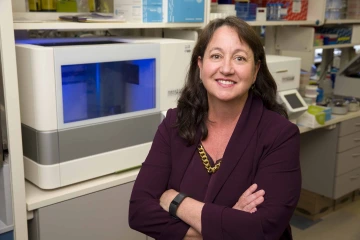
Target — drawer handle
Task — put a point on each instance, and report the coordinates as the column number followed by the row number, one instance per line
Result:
column 281, row 71
column 356, row 155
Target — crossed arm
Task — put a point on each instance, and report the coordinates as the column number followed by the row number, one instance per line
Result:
column 151, row 198
column 190, row 209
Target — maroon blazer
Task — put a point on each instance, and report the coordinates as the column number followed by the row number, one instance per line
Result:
column 263, row 149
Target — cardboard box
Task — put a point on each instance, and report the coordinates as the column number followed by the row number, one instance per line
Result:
column 183, row 10
column 313, row 217
column 343, row 201
column 356, row 195
column 313, row 206
column 314, row 203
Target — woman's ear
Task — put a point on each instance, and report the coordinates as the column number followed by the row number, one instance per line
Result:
column 200, row 65
column 199, row 62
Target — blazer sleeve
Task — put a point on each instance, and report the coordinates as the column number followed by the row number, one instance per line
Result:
column 279, row 175
column 145, row 212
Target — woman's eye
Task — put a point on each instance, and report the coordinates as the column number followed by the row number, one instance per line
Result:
column 240, row 59
column 215, row 56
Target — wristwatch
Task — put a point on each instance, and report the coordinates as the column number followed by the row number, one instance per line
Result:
column 175, row 204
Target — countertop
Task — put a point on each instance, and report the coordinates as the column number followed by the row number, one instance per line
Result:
column 37, row 198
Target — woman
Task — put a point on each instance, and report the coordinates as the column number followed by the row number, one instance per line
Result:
column 227, row 138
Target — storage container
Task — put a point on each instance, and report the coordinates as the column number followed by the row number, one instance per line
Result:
column 313, row 206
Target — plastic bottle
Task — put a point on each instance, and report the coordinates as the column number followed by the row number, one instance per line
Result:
column 273, row 7
column 318, row 73
column 278, row 11
column 269, row 11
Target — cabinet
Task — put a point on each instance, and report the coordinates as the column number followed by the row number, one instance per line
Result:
column 330, row 159
column 99, row 215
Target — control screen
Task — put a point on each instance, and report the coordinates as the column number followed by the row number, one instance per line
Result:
column 293, row 100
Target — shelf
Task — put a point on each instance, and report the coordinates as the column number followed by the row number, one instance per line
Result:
column 336, row 46
column 43, row 21
column 60, row 25
column 342, row 21
column 282, row 23
column 55, row 24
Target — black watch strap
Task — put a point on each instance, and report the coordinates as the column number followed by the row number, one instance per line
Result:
column 175, row 204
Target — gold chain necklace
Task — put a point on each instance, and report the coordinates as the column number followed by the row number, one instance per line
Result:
column 206, row 162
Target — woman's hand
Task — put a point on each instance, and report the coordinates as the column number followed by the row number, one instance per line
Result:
column 166, row 198
column 250, row 199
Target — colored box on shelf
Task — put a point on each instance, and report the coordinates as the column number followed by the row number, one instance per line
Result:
column 66, row 6
column 183, row 11
column 129, row 12
column 343, row 34
column 246, row 11
column 152, row 2
column 139, row 10
column 296, row 9
column 152, row 13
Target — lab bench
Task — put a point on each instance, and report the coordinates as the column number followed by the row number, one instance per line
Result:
column 98, row 208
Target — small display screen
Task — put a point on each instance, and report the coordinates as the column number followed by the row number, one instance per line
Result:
column 293, row 100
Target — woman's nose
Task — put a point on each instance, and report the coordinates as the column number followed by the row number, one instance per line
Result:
column 226, row 67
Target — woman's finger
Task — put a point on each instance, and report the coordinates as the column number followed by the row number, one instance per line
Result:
column 254, row 204
column 250, row 190
column 243, row 201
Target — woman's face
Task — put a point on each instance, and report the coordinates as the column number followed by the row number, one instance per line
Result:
column 227, row 69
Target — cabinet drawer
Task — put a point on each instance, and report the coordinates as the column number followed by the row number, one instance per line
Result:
column 347, row 183
column 349, row 126
column 101, row 215
column 349, row 141
column 348, row 160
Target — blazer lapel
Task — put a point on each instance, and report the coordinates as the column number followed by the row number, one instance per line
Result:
column 244, row 130
column 183, row 154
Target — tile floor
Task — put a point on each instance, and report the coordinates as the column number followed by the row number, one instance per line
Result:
column 343, row 224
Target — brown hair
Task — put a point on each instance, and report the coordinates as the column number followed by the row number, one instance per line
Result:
column 193, row 103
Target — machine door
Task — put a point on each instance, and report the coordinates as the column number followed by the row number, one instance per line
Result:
column 105, row 82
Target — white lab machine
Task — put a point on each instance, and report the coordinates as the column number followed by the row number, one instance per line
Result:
column 286, row 73
column 347, row 81
column 91, row 106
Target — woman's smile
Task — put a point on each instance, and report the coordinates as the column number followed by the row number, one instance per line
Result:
column 225, row 83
